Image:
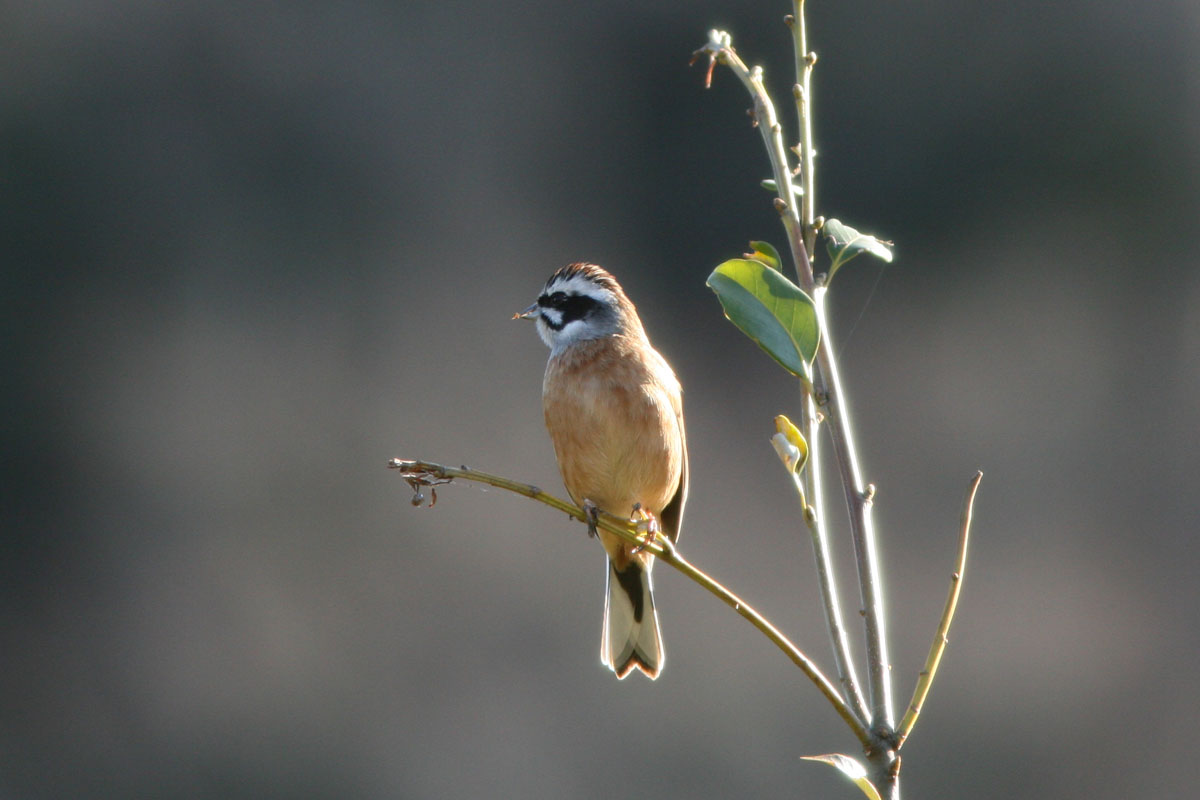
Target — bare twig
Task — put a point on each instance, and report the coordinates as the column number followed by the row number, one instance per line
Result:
column 805, row 60
column 425, row 473
column 719, row 50
column 939, row 640
column 802, row 92
column 859, row 499
column 827, row 582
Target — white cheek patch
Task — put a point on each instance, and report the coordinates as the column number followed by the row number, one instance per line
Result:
column 547, row 317
column 574, row 331
column 547, row 333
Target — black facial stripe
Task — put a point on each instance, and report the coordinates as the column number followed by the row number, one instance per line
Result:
column 570, row 306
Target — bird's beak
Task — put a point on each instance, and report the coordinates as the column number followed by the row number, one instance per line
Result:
column 529, row 313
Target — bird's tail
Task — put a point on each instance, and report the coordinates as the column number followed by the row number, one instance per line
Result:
column 631, row 638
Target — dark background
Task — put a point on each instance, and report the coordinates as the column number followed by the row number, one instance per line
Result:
column 251, row 251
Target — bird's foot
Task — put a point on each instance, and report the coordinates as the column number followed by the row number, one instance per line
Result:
column 592, row 512
column 647, row 527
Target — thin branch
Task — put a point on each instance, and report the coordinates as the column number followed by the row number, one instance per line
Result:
column 802, row 92
column 827, row 388
column 827, row 582
column 424, row 473
column 859, row 499
column 940, row 638
column 719, row 49
column 828, row 385
column 782, row 642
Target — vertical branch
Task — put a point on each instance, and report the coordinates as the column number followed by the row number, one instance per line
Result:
column 802, row 92
column 826, row 386
column 826, row 575
column 826, row 392
column 829, row 395
column 772, row 133
column 859, row 498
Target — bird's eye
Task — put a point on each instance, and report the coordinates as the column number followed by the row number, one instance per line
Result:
column 557, row 300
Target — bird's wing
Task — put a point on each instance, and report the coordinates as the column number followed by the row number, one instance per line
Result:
column 672, row 513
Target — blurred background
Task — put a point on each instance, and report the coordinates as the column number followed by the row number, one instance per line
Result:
column 252, row 251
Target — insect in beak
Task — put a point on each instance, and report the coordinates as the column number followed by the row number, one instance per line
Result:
column 529, row 313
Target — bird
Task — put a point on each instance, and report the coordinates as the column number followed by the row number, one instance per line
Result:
column 614, row 411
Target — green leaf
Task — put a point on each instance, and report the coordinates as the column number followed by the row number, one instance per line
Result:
column 764, row 252
column 851, row 769
column 770, row 185
column 771, row 310
column 844, row 243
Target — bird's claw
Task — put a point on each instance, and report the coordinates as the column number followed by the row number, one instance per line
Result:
column 647, row 527
column 592, row 512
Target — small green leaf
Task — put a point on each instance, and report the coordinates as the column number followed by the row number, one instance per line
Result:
column 771, row 310
column 851, row 769
column 844, row 243
column 770, row 185
column 764, row 252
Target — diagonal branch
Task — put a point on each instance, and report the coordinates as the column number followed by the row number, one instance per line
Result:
column 719, row 49
column 424, row 473
column 939, row 640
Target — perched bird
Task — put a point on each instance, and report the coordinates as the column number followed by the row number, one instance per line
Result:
column 614, row 411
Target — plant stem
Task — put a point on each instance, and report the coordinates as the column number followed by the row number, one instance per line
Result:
column 827, row 389
column 802, row 92
column 772, row 132
column 859, row 499
column 925, row 680
column 828, row 386
column 827, row 584
column 425, row 473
